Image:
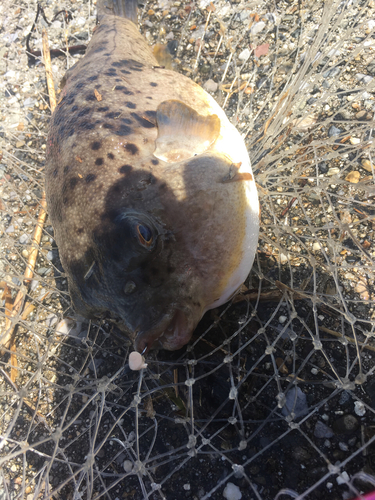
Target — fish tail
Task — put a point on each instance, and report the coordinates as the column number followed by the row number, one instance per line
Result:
column 121, row 8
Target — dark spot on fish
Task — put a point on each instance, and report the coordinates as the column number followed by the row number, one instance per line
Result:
column 73, row 182
column 90, row 97
column 163, row 185
column 148, row 97
column 142, row 121
column 80, row 85
column 111, row 156
column 96, row 145
column 128, row 121
column 85, row 125
column 80, row 230
column 123, row 130
column 90, row 178
column 136, row 69
column 69, row 99
column 108, row 125
column 61, row 130
column 103, row 108
column 70, row 132
column 130, row 105
column 107, row 54
column 83, row 112
column 66, row 169
column 151, row 114
column 109, row 73
column 112, row 114
column 131, row 62
column 125, row 72
column 171, row 269
column 99, row 49
column 55, row 172
column 99, row 161
column 155, row 161
column 153, row 84
column 125, row 169
column 92, row 78
column 74, row 108
column 120, row 87
column 65, row 200
column 116, row 64
column 131, row 148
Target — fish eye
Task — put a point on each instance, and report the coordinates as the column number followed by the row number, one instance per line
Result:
column 144, row 235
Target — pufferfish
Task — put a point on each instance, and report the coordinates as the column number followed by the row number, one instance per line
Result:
column 149, row 189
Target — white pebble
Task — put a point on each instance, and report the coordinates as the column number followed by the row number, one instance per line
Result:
column 232, row 492
column 128, row 466
column 359, row 408
column 342, row 478
column 244, row 55
column 283, row 258
column 282, row 319
column 136, row 361
column 257, row 28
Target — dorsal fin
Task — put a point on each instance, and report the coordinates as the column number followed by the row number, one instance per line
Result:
column 182, row 132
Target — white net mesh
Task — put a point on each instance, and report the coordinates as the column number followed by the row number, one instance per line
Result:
column 274, row 397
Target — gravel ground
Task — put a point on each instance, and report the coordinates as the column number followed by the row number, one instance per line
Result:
column 276, row 393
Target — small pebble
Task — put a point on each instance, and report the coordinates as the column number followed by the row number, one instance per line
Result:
column 322, row 430
column 346, row 424
column 295, row 401
column 333, row 171
column 353, row 177
column 359, row 408
column 244, row 55
column 210, row 86
column 257, row 28
column 136, row 361
column 334, row 131
column 368, row 166
column 343, row 478
column 232, row 492
column 128, row 466
column 25, row 238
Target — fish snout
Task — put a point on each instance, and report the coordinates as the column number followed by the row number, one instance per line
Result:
column 172, row 332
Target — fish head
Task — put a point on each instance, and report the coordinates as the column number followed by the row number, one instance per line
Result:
column 161, row 257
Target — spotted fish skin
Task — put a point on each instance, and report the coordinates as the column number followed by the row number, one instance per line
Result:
column 150, row 232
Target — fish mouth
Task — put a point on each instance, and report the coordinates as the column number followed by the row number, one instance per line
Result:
column 171, row 333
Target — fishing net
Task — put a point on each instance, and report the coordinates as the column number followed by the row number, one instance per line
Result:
column 274, row 396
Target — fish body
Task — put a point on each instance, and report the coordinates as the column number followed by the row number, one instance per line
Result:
column 149, row 190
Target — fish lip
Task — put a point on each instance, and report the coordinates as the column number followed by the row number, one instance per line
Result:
column 172, row 332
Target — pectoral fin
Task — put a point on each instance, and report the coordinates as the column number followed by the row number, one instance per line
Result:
column 182, row 132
